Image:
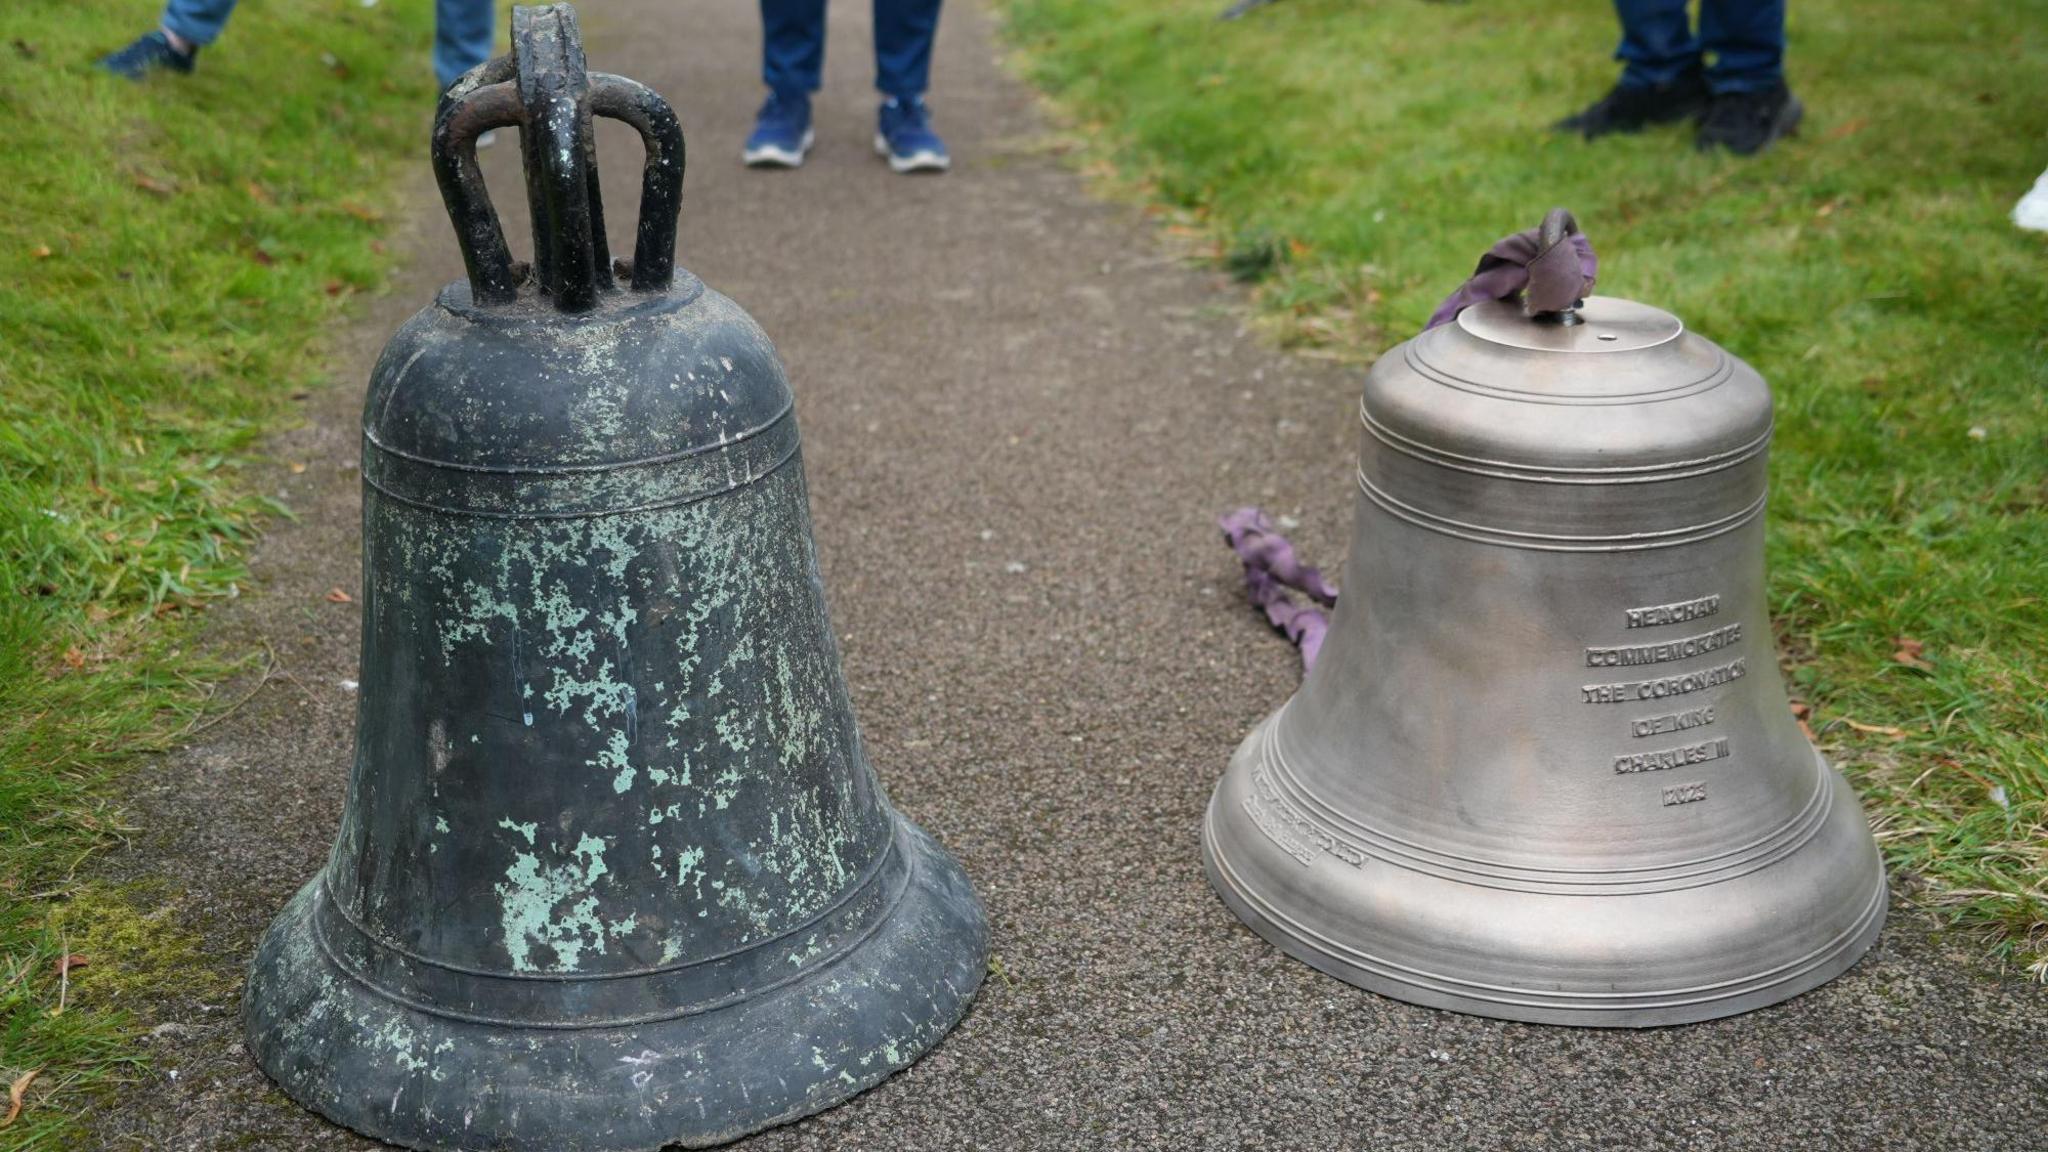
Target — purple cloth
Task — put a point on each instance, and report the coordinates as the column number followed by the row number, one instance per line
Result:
column 1504, row 271
column 1270, row 569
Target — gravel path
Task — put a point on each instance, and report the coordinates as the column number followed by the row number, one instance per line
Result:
column 1020, row 419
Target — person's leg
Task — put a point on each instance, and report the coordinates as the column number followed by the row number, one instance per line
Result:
column 1658, row 46
column 1752, row 106
column 792, row 46
column 462, row 37
column 904, row 30
column 1660, row 80
column 1747, row 40
column 792, row 65
column 196, row 23
column 186, row 27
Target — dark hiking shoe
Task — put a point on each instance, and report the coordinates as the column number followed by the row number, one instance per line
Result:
column 148, row 53
column 1745, row 123
column 1631, row 109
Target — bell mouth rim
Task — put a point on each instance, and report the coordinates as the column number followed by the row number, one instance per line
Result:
column 339, row 1049
column 1531, row 1003
column 531, row 308
column 1606, row 325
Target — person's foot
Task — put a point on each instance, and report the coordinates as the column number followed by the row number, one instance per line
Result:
column 904, row 135
column 782, row 132
column 1746, row 123
column 1632, row 108
column 149, row 52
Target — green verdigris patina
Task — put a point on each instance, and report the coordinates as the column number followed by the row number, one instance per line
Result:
column 614, row 871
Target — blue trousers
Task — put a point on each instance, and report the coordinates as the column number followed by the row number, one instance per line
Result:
column 462, row 30
column 793, row 45
column 1746, row 39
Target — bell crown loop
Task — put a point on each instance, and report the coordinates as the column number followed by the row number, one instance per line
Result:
column 1555, row 282
column 545, row 90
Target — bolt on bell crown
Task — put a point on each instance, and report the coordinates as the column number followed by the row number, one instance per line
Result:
column 1544, row 768
column 614, row 871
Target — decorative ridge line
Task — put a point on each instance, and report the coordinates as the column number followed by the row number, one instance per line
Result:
column 1724, row 368
column 1760, row 852
column 775, row 466
column 861, row 883
column 867, row 932
column 1556, row 542
column 1303, row 936
column 745, row 434
column 1508, row 469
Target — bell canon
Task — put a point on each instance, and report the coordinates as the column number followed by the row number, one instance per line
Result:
column 614, row 871
column 1544, row 768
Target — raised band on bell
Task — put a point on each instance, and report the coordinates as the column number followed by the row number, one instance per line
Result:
column 614, row 871
column 1545, row 491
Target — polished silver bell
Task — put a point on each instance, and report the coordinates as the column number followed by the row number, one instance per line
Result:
column 1544, row 768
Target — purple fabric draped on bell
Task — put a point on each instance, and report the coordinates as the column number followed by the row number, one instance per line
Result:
column 1504, row 271
column 1270, row 569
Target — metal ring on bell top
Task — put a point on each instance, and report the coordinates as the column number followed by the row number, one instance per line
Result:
column 543, row 88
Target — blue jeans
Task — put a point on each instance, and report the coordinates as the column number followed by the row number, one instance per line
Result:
column 462, row 30
column 1745, row 37
column 793, row 45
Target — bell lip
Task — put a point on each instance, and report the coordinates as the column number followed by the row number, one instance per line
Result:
column 938, row 931
column 1529, row 1003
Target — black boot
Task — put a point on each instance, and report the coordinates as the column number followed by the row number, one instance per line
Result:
column 1745, row 123
column 1629, row 108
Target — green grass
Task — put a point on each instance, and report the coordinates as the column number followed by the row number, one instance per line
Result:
column 169, row 254
column 1352, row 160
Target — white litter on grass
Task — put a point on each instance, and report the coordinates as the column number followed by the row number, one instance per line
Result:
column 1998, row 796
column 2031, row 212
column 349, row 685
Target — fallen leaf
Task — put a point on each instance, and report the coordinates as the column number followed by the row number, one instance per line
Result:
column 1848, row 128
column 359, row 212
column 15, row 1092
column 70, row 960
column 1909, row 651
column 74, row 658
column 1876, row 729
column 335, row 287
column 262, row 257
column 257, row 192
column 298, row 467
column 155, row 187
column 41, row 252
column 339, row 597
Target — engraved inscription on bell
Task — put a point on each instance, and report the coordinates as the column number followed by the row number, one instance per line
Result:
column 1664, row 686
column 1672, row 757
column 1672, row 722
column 1684, row 794
column 1674, row 613
column 1684, row 649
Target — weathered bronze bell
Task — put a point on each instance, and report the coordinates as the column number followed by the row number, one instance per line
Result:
column 1544, row 768
column 614, row 871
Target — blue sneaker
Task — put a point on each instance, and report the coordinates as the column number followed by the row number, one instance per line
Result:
column 150, row 52
column 905, row 136
column 782, row 132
